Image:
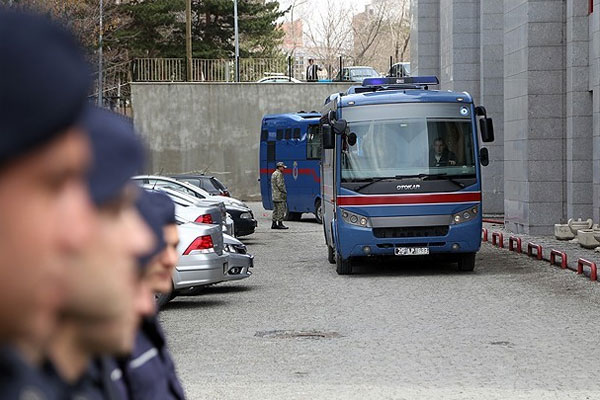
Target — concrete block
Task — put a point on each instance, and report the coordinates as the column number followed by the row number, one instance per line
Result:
column 545, row 33
column 580, row 193
column 577, row 54
column 544, row 149
column 546, row 58
column 546, row 106
column 545, row 191
column 515, row 14
column 546, row 11
column 545, row 213
column 579, row 149
column 545, row 82
column 465, row 40
column 581, row 171
column 547, row 170
column 577, row 78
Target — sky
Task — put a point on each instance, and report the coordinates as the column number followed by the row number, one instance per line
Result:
column 320, row 6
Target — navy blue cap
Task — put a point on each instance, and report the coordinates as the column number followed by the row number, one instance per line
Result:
column 157, row 210
column 117, row 153
column 44, row 82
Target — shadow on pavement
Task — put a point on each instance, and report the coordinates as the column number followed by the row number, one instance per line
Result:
column 227, row 289
column 190, row 302
column 407, row 267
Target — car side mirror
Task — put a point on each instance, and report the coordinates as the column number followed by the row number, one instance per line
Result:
column 484, row 157
column 327, row 136
column 487, row 129
column 340, row 126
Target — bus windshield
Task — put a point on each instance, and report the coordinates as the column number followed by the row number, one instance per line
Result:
column 401, row 141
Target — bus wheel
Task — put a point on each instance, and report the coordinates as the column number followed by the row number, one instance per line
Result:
column 343, row 267
column 466, row 262
column 318, row 211
column 330, row 254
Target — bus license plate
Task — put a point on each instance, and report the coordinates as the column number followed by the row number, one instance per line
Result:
column 411, row 251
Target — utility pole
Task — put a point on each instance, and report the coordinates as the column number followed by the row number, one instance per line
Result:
column 100, row 75
column 188, row 39
column 237, row 41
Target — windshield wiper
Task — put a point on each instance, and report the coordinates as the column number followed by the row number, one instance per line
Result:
column 445, row 176
column 372, row 181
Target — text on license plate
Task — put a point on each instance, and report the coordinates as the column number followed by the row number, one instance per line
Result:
column 411, row 251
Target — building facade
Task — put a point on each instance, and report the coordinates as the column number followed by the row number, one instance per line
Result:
column 535, row 66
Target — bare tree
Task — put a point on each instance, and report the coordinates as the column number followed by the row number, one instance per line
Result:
column 399, row 25
column 330, row 35
column 367, row 29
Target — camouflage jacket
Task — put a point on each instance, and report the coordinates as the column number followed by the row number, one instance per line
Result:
column 278, row 186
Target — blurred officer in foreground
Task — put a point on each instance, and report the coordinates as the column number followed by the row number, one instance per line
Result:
column 149, row 373
column 105, row 298
column 279, row 193
column 45, row 210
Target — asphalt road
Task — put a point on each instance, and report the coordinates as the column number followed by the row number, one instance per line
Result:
column 514, row 329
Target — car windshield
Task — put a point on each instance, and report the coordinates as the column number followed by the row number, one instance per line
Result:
column 407, row 140
column 363, row 73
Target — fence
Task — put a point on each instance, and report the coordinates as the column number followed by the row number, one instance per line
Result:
column 223, row 70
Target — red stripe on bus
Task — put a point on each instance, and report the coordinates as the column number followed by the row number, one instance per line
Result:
column 416, row 198
column 288, row 171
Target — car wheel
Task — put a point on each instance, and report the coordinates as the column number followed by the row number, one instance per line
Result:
column 330, row 254
column 319, row 211
column 466, row 262
column 343, row 267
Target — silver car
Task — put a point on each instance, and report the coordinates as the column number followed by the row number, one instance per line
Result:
column 240, row 262
column 202, row 259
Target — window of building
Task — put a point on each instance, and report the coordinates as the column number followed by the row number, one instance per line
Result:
column 313, row 143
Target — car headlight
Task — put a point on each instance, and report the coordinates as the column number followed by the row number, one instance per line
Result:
column 227, row 248
column 246, row 215
column 465, row 215
column 355, row 219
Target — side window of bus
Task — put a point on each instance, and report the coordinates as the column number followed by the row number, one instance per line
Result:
column 279, row 134
column 296, row 133
column 288, row 133
column 271, row 151
column 313, row 143
column 264, row 134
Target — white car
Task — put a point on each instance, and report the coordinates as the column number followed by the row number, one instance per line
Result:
column 278, row 79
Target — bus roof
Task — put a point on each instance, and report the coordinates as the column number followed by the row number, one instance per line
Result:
column 391, row 95
column 293, row 117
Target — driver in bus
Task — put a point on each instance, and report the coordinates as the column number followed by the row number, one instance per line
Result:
column 439, row 155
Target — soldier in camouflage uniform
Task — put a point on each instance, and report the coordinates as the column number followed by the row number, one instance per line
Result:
column 279, row 194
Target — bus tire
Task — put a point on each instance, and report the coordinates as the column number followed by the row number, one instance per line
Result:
column 343, row 267
column 330, row 254
column 318, row 211
column 466, row 262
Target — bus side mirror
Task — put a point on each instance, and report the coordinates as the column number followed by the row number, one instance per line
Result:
column 487, row 129
column 340, row 126
column 327, row 136
column 484, row 157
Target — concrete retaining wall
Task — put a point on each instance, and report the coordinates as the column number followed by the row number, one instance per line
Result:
column 215, row 127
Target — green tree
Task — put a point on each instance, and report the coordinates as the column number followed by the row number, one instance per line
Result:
column 213, row 28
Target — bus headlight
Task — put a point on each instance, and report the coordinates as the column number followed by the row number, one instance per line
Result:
column 465, row 215
column 355, row 219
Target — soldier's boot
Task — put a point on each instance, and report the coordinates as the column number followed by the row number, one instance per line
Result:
column 282, row 226
column 274, row 225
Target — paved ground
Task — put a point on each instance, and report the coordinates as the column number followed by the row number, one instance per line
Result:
column 514, row 329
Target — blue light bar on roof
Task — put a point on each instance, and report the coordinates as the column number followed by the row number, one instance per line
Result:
column 409, row 80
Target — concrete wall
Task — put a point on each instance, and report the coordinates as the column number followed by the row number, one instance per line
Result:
column 594, row 82
column 425, row 37
column 216, row 127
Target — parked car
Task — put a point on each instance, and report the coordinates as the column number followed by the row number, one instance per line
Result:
column 243, row 218
column 240, row 262
column 209, row 183
column 193, row 209
column 399, row 70
column 278, row 79
column 356, row 74
column 202, row 260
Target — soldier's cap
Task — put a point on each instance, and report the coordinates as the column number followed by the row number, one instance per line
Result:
column 117, row 153
column 157, row 210
column 281, row 164
column 44, row 82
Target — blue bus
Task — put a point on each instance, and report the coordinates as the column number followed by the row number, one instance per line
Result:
column 295, row 139
column 401, row 172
